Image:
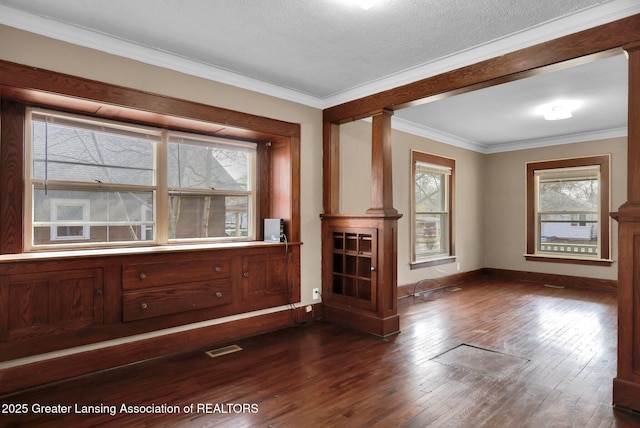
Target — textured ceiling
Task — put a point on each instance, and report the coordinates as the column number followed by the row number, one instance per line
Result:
column 318, row 52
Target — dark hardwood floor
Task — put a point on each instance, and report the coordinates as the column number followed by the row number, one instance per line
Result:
column 491, row 354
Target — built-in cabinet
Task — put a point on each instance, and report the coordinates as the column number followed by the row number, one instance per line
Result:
column 63, row 302
column 40, row 305
column 359, row 272
column 57, row 300
column 353, row 276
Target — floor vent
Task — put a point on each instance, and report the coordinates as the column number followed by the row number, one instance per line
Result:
column 223, row 351
column 554, row 286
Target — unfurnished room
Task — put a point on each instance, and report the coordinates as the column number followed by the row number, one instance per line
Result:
column 320, row 213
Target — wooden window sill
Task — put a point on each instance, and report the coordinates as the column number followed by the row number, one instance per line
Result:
column 568, row 260
column 434, row 262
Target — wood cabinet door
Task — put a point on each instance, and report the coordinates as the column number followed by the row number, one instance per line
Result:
column 265, row 278
column 48, row 303
column 353, row 275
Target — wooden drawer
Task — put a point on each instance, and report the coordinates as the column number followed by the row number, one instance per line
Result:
column 147, row 275
column 155, row 302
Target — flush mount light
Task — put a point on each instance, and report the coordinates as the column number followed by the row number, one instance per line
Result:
column 365, row 4
column 558, row 110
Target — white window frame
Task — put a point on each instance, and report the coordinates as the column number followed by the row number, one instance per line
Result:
column 588, row 172
column 159, row 188
column 56, row 203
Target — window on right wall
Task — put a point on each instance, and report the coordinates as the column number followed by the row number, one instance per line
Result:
column 568, row 210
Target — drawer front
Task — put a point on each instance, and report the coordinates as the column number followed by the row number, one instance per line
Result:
column 156, row 302
column 146, row 275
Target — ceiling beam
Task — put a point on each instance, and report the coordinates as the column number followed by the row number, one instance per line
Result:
column 590, row 44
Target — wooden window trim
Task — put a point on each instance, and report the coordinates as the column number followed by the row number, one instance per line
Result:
column 23, row 86
column 417, row 156
column 605, row 225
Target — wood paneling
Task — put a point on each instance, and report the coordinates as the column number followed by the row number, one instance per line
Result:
column 45, row 304
column 11, row 173
column 62, row 302
column 44, row 309
column 374, row 312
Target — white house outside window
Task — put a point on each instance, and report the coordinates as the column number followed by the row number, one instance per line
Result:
column 568, row 210
column 69, row 219
column 132, row 185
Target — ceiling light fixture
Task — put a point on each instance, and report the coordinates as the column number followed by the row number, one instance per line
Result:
column 365, row 4
column 558, row 110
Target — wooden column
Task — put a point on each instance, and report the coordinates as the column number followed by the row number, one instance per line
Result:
column 359, row 251
column 331, row 168
column 381, row 173
column 626, row 385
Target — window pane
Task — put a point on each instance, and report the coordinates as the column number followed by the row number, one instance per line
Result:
column 430, row 192
column 431, row 235
column 569, row 233
column 82, row 154
column 92, row 216
column 569, row 195
column 208, row 167
column 208, row 216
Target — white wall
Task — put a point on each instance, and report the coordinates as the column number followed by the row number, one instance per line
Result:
column 505, row 222
column 490, row 215
column 355, row 195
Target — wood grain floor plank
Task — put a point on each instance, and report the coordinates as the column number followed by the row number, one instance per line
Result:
column 323, row 375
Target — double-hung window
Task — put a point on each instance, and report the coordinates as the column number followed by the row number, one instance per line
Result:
column 568, row 209
column 432, row 208
column 93, row 183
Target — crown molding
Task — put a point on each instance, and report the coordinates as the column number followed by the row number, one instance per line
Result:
column 544, row 32
column 454, row 140
column 101, row 42
column 556, row 141
column 433, row 134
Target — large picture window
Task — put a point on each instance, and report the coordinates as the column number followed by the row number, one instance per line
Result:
column 432, row 208
column 102, row 183
column 568, row 209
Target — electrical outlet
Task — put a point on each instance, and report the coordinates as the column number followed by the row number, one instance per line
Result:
column 316, row 294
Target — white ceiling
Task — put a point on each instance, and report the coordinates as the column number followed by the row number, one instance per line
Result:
column 325, row 52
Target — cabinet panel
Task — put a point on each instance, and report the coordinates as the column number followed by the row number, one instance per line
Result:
column 265, row 275
column 145, row 275
column 50, row 302
column 155, row 302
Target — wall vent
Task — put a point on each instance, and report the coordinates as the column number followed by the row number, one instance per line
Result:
column 223, row 351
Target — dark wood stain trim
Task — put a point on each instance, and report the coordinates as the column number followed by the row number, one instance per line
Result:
column 38, row 86
column 604, row 162
column 596, row 41
column 11, row 173
column 553, row 279
column 55, row 369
